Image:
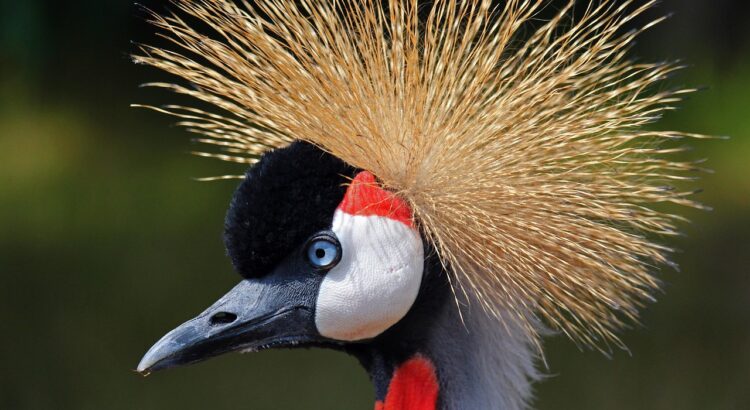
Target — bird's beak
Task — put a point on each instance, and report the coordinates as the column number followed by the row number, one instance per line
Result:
column 252, row 316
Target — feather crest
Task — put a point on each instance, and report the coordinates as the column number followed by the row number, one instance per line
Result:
column 523, row 156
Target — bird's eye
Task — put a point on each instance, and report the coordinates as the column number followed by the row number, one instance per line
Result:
column 323, row 251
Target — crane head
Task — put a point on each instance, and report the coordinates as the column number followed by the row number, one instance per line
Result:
column 327, row 257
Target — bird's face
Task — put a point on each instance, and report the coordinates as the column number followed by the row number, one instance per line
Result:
column 328, row 258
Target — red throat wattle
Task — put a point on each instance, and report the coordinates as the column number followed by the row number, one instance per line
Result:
column 365, row 197
column 414, row 386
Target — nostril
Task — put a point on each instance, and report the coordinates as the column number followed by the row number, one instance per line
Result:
column 222, row 318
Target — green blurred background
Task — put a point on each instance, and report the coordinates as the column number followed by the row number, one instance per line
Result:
column 106, row 242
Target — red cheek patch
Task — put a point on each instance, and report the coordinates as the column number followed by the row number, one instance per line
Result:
column 366, row 198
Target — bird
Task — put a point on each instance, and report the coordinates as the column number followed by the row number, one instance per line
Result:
column 430, row 187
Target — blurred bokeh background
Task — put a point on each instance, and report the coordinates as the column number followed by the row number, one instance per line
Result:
column 106, row 242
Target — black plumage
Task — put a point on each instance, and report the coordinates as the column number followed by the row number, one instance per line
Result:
column 287, row 196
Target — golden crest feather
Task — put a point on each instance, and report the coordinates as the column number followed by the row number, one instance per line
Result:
column 523, row 153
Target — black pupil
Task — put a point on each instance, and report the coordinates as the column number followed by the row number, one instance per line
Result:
column 320, row 253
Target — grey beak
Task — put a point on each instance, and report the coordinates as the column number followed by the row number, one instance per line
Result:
column 254, row 315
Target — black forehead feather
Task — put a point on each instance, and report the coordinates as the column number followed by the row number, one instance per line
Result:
column 290, row 194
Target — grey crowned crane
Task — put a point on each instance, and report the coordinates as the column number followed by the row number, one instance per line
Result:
column 429, row 195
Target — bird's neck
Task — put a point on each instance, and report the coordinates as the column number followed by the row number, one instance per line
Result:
column 444, row 363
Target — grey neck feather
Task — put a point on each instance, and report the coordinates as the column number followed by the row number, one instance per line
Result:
column 480, row 363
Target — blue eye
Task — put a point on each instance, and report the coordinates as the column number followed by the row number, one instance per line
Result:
column 323, row 251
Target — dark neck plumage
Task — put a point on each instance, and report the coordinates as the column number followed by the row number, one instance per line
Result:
column 434, row 359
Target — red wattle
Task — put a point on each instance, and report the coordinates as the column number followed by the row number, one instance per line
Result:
column 365, row 197
column 414, row 386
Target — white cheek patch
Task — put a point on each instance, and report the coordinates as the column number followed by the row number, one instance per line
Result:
column 375, row 283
